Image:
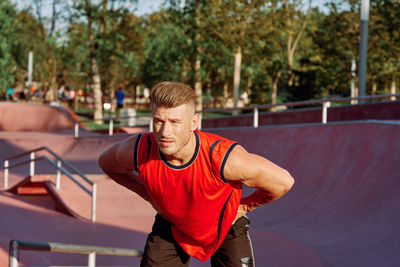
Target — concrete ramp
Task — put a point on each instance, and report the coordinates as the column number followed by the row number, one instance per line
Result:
column 115, row 205
column 342, row 211
column 345, row 203
column 30, row 117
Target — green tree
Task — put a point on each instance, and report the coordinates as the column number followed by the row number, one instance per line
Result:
column 7, row 33
column 102, row 20
column 165, row 48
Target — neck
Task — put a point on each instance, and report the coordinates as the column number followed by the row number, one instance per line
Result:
column 184, row 155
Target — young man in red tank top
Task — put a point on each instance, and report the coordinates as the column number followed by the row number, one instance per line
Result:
column 193, row 179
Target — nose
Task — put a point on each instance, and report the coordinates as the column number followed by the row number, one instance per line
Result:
column 165, row 129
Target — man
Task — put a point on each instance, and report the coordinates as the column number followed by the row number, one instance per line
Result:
column 120, row 95
column 193, row 179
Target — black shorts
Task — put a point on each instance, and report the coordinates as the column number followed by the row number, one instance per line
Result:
column 162, row 250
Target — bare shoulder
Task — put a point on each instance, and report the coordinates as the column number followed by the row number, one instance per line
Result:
column 119, row 156
column 125, row 151
column 253, row 170
column 238, row 164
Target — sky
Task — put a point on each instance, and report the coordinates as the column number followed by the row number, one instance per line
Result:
column 144, row 7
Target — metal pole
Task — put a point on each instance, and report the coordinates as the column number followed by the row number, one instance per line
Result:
column 151, row 125
column 255, row 118
column 353, row 92
column 92, row 259
column 200, row 120
column 76, row 130
column 30, row 68
column 325, row 107
column 94, row 196
column 110, row 127
column 393, row 90
column 14, row 254
column 5, row 174
column 32, row 164
column 58, row 177
column 362, row 66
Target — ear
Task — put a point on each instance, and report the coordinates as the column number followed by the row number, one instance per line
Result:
column 195, row 122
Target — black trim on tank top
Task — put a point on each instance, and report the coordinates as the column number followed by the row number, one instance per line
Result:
column 221, row 215
column 221, row 170
column 212, row 147
column 148, row 147
column 135, row 153
column 196, row 152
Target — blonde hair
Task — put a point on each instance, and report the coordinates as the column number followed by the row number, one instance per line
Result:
column 172, row 94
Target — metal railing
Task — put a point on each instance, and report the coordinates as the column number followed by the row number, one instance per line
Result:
column 59, row 168
column 16, row 245
column 111, row 121
column 324, row 103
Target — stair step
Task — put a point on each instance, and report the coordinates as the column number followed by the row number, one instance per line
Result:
column 32, row 188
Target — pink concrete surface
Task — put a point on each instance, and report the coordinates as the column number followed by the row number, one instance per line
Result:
column 30, row 117
column 345, row 202
column 342, row 211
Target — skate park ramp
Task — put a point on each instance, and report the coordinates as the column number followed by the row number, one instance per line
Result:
column 30, row 117
column 342, row 210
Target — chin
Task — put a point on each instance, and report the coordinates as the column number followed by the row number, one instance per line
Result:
column 167, row 151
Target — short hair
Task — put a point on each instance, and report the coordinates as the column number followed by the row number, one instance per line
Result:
column 172, row 94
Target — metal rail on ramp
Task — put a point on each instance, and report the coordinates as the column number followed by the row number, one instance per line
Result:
column 58, row 166
column 91, row 251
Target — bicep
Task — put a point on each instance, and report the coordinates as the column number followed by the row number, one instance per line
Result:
column 119, row 157
column 255, row 171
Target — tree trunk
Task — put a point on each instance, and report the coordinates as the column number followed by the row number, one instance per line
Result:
column 293, row 42
column 198, row 85
column 249, row 85
column 98, row 109
column 274, row 94
column 197, row 66
column 236, row 76
column 373, row 92
column 185, row 68
column 290, row 54
column 96, row 85
column 225, row 93
column 393, row 89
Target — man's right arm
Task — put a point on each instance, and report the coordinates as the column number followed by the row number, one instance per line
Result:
column 117, row 163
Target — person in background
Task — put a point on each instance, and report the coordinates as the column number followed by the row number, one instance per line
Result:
column 119, row 95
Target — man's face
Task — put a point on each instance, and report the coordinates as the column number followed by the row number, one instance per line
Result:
column 173, row 126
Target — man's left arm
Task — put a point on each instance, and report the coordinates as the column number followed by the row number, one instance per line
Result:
column 270, row 180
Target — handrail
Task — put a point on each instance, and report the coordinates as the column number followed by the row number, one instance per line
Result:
column 58, row 166
column 16, row 245
column 326, row 103
column 54, row 155
column 305, row 103
column 111, row 120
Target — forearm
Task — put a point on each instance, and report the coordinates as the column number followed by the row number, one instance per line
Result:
column 257, row 199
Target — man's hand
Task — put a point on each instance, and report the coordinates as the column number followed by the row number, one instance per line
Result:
column 242, row 210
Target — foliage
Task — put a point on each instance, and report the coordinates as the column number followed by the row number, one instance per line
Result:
column 7, row 32
column 167, row 44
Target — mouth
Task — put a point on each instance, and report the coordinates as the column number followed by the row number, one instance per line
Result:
column 165, row 142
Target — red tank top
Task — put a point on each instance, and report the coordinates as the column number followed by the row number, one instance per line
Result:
column 195, row 197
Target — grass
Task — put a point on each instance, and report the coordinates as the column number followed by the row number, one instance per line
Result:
column 85, row 114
